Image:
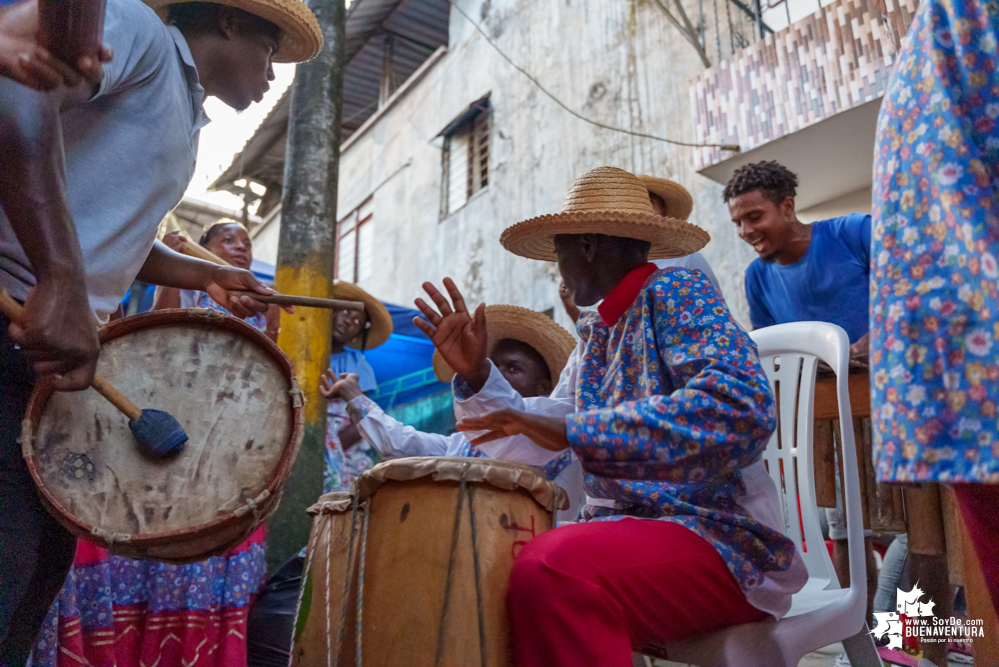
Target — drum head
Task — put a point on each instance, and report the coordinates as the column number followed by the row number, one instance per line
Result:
column 222, row 380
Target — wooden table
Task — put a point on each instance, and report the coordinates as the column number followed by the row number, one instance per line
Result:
column 927, row 512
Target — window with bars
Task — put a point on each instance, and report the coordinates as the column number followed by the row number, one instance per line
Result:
column 354, row 244
column 465, row 158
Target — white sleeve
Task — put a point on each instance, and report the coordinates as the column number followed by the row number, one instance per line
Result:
column 497, row 394
column 393, row 439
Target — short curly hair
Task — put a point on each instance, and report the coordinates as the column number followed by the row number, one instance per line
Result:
column 774, row 181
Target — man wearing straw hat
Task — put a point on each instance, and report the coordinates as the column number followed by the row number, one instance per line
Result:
column 670, row 200
column 88, row 174
column 669, row 413
column 529, row 349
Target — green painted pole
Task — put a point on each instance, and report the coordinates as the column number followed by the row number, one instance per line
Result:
column 305, row 264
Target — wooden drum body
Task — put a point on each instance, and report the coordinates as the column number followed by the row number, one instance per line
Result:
column 434, row 543
column 325, row 582
column 235, row 394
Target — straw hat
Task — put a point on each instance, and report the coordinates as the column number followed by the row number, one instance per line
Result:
column 679, row 203
column 378, row 315
column 530, row 327
column 301, row 36
column 607, row 201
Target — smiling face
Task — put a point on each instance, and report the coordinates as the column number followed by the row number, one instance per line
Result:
column 523, row 367
column 233, row 244
column 761, row 223
column 347, row 325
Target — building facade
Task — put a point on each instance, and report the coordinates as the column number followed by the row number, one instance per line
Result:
column 466, row 144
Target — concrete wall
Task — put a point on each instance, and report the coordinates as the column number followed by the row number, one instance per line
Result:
column 620, row 62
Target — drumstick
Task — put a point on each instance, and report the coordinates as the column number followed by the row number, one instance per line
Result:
column 192, row 249
column 307, row 301
column 158, row 434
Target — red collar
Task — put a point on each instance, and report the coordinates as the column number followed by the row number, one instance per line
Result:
column 622, row 296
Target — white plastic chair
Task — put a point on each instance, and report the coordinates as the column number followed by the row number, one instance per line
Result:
column 821, row 613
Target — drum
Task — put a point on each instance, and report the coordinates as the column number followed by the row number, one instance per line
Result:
column 235, row 394
column 332, row 549
column 426, row 549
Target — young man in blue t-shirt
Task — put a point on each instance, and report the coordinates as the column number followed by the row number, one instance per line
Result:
column 817, row 272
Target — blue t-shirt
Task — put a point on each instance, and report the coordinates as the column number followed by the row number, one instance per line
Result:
column 353, row 361
column 830, row 283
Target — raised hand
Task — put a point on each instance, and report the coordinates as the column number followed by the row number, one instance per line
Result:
column 460, row 337
column 547, row 432
column 346, row 388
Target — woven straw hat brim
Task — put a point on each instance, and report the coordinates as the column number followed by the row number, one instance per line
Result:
column 679, row 203
column 381, row 321
column 530, row 327
column 535, row 238
column 301, row 36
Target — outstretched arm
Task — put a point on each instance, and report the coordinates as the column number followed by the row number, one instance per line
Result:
column 171, row 269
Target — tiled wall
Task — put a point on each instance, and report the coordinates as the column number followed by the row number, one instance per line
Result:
column 836, row 59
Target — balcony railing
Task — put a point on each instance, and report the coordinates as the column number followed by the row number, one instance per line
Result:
column 835, row 58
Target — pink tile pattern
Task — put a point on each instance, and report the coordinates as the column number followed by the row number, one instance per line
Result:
column 834, row 60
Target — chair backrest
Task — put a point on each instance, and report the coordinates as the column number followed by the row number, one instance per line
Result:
column 789, row 354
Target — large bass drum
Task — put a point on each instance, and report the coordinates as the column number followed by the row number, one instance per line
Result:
column 414, row 568
column 235, row 394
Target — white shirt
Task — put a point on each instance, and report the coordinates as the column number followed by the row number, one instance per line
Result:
column 694, row 260
column 393, row 439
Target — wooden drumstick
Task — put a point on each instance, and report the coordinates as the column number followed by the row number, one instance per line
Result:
column 159, row 435
column 307, row 301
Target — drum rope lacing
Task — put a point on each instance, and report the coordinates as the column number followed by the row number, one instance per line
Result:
column 301, row 595
column 346, row 586
column 463, row 490
column 27, row 439
column 360, row 582
column 298, row 398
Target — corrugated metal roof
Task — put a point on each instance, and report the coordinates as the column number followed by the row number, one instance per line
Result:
column 419, row 27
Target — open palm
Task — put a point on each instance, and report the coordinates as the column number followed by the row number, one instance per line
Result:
column 460, row 337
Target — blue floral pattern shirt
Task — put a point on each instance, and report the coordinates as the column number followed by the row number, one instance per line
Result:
column 671, row 403
column 935, row 245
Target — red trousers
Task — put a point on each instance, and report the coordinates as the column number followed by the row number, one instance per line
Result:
column 980, row 509
column 587, row 594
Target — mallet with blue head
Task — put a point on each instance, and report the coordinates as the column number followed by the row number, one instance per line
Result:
column 157, row 433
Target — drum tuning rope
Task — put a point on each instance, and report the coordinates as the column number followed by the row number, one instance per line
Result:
column 450, row 570
column 301, row 594
column 463, row 490
column 478, row 571
column 326, row 587
column 346, row 584
column 360, row 581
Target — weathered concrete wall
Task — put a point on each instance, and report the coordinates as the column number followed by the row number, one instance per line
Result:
column 618, row 62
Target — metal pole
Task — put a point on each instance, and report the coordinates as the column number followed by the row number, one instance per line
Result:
column 305, row 264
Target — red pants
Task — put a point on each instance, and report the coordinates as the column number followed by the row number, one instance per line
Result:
column 980, row 509
column 586, row 594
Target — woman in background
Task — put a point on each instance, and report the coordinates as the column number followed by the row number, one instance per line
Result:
column 230, row 241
